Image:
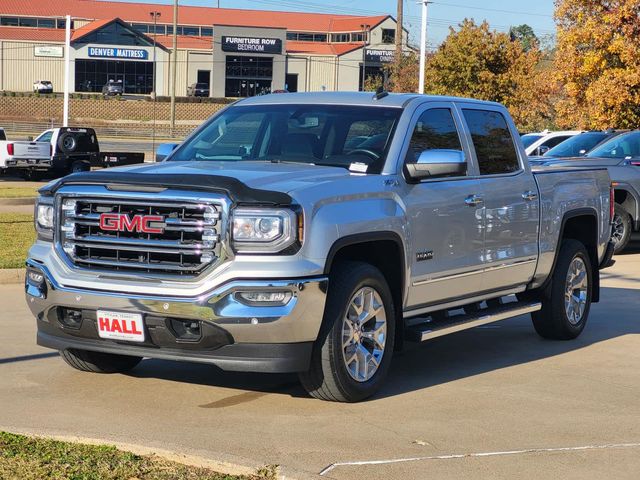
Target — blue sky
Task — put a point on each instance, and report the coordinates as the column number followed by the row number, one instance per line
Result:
column 499, row 13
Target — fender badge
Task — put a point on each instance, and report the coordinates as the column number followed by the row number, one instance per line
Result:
column 422, row 256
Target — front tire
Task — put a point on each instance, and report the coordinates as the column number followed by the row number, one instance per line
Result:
column 566, row 301
column 621, row 229
column 99, row 362
column 352, row 355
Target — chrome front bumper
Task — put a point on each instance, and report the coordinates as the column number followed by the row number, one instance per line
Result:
column 244, row 326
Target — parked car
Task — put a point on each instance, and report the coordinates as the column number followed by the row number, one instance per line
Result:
column 112, row 88
column 31, row 153
column 72, row 150
column 43, row 86
column 198, row 90
column 620, row 155
column 576, row 146
column 542, row 142
column 269, row 242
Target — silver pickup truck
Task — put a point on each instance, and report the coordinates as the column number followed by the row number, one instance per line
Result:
column 315, row 233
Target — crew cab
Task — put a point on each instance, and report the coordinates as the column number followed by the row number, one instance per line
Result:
column 72, row 150
column 316, row 233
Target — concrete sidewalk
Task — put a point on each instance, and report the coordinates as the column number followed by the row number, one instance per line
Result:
column 488, row 390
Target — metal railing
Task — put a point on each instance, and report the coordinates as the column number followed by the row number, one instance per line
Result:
column 125, row 130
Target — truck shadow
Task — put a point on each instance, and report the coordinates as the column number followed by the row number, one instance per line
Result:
column 442, row 360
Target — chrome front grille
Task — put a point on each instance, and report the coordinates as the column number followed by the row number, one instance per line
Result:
column 140, row 235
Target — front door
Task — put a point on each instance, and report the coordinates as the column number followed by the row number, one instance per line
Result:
column 446, row 229
column 511, row 200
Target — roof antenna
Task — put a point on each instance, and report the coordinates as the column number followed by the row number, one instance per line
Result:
column 380, row 93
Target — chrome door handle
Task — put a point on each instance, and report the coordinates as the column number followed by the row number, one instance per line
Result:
column 474, row 200
column 530, row 195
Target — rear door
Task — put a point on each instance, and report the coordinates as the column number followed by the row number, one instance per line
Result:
column 445, row 228
column 510, row 196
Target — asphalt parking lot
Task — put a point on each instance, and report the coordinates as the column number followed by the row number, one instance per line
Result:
column 531, row 408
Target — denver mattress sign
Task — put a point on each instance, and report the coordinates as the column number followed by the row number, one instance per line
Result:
column 106, row 52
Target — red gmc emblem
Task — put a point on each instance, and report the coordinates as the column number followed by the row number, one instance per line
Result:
column 121, row 222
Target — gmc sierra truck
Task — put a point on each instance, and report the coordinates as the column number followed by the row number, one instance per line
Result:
column 314, row 233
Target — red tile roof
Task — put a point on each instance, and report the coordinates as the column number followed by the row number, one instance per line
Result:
column 189, row 15
column 89, row 27
column 32, row 34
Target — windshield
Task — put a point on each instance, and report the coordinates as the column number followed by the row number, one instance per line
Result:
column 577, row 145
column 529, row 138
column 352, row 137
column 622, row 146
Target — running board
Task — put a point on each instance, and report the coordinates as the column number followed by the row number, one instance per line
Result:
column 433, row 329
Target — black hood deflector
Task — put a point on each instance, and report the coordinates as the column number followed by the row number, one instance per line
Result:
column 236, row 190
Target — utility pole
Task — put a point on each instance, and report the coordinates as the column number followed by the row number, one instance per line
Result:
column 399, row 31
column 67, row 70
column 174, row 60
column 423, row 44
column 365, row 30
column 155, row 16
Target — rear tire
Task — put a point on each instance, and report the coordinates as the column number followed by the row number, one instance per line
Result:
column 566, row 301
column 351, row 357
column 99, row 362
column 80, row 166
column 621, row 232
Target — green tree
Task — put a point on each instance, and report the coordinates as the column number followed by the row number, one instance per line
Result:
column 598, row 63
column 525, row 35
column 475, row 61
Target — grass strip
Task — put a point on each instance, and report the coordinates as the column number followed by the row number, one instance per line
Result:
column 30, row 458
column 18, row 192
column 16, row 236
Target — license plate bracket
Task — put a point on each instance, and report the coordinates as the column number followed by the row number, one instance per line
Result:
column 120, row 326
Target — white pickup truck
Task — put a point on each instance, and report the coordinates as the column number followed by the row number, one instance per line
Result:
column 33, row 153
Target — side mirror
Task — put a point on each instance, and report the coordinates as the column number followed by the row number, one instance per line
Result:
column 163, row 151
column 437, row 163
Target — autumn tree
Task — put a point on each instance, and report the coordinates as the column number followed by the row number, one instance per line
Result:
column 598, row 63
column 525, row 35
column 475, row 61
column 401, row 75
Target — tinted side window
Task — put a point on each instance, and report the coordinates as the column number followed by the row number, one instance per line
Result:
column 435, row 129
column 552, row 142
column 494, row 146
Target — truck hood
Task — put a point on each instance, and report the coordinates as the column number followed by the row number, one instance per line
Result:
column 281, row 177
column 242, row 181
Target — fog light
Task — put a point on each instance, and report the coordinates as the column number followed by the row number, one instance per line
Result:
column 35, row 278
column 269, row 298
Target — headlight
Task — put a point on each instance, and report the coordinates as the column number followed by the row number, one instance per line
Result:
column 263, row 230
column 44, row 216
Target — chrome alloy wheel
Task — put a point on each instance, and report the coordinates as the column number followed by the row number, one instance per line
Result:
column 364, row 334
column 617, row 231
column 576, row 291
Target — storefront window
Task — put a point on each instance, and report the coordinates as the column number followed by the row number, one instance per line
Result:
column 248, row 76
column 92, row 75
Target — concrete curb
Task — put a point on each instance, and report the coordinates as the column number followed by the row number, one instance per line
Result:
column 18, row 201
column 10, row 276
column 222, row 463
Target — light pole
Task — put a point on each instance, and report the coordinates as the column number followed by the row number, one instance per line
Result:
column 155, row 16
column 423, row 44
column 174, row 65
column 365, row 29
